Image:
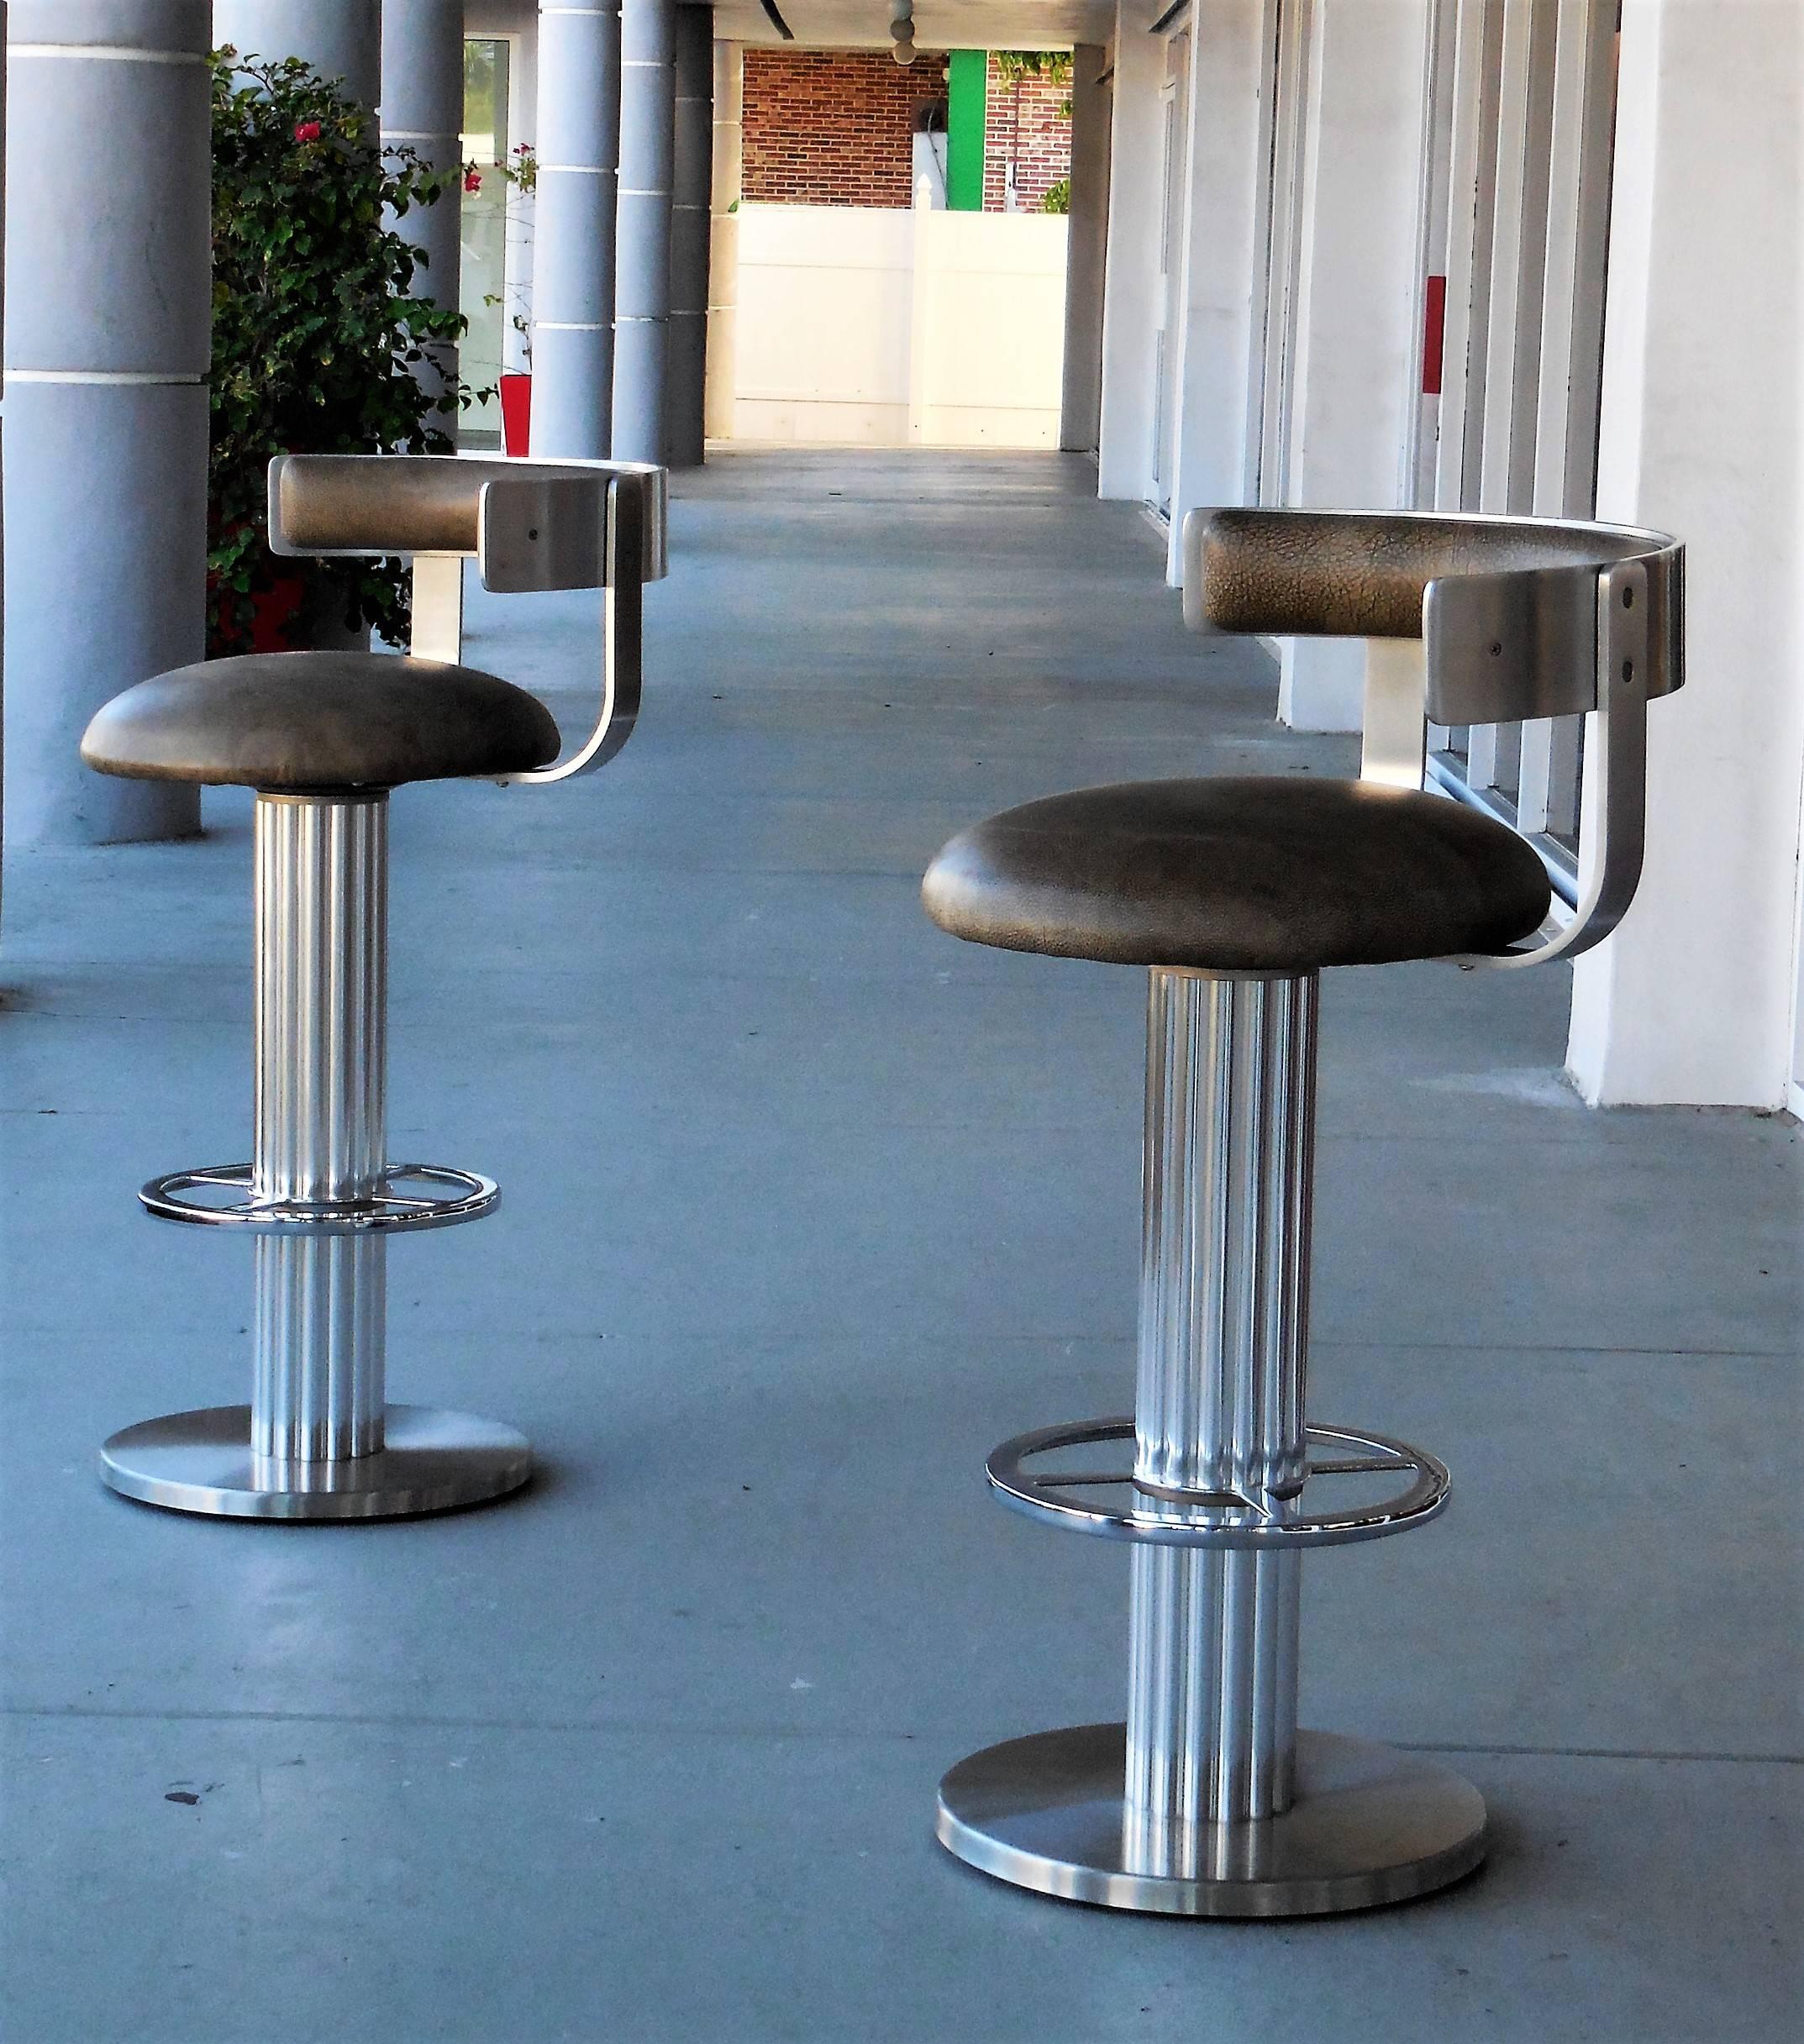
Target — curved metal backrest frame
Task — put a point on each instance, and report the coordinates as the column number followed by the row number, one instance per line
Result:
column 1472, row 620
column 530, row 526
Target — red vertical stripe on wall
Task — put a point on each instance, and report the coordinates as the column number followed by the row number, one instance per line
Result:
column 1434, row 335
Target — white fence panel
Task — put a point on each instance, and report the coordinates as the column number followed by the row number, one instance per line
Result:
column 879, row 328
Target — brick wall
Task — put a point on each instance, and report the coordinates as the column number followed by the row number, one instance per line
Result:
column 1024, row 123
column 833, row 127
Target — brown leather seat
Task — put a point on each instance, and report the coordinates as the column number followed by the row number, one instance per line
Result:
column 297, row 723
column 1257, row 875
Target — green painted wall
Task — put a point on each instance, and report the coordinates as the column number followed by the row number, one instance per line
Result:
column 965, row 112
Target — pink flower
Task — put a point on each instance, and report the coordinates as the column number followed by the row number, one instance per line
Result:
column 472, row 180
column 307, row 131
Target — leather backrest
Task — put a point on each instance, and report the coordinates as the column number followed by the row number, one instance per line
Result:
column 1508, row 606
column 384, row 504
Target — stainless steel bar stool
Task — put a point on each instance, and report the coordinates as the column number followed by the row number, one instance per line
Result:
column 322, row 738
column 1237, row 894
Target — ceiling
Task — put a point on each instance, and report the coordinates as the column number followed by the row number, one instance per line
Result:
column 938, row 24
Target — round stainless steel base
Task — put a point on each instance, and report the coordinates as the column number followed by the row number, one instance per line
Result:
column 202, row 1461
column 1369, row 1825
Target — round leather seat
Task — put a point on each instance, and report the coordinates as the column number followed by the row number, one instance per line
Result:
column 308, row 722
column 1256, row 876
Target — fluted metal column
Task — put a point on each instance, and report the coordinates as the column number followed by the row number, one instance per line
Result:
column 338, row 39
column 642, row 262
column 423, row 107
column 573, row 257
column 1230, row 1112
column 723, row 240
column 108, row 187
column 321, row 1006
column 691, row 180
column 1209, row 1801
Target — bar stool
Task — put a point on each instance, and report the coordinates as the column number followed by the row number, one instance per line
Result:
column 322, row 738
column 1237, row 894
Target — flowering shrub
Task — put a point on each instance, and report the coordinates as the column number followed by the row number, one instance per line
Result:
column 316, row 334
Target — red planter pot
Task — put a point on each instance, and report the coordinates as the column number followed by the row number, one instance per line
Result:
column 277, row 609
column 516, row 415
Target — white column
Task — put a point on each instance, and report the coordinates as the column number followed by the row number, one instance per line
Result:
column 1224, row 263
column 642, row 260
column 338, row 39
column 573, row 256
column 1130, row 291
column 1355, row 336
column 1080, row 406
column 1703, row 391
column 692, row 183
column 723, row 241
column 423, row 107
column 107, row 186
column 3, row 482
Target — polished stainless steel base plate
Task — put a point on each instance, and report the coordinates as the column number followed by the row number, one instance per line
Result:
column 1370, row 1825
column 433, row 1462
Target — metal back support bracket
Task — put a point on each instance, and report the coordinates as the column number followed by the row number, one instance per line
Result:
column 528, row 526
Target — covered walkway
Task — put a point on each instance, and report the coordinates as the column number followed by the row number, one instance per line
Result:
column 806, row 1206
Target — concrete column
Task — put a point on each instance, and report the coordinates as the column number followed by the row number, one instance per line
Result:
column 642, row 256
column 573, row 257
column 107, row 186
column 1353, row 334
column 1130, row 290
column 339, row 38
column 723, row 241
column 3, row 484
column 1702, row 399
column 1080, row 406
column 691, row 188
column 423, row 106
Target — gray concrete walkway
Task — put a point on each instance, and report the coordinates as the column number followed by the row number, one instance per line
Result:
column 806, row 1206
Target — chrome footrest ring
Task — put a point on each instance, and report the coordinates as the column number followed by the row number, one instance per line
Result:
column 223, row 1196
column 1218, row 1518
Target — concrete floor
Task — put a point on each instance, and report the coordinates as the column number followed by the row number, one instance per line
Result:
column 807, row 1205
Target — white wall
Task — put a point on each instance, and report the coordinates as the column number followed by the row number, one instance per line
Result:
column 1357, row 361
column 880, row 327
column 1130, row 292
column 1693, row 999
column 1223, row 290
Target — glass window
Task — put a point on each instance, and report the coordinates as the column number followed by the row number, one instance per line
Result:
column 483, row 294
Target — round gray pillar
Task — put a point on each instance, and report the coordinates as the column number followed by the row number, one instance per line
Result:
column 723, row 240
column 107, row 184
column 642, row 261
column 691, row 179
column 423, row 107
column 573, row 254
column 338, row 39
